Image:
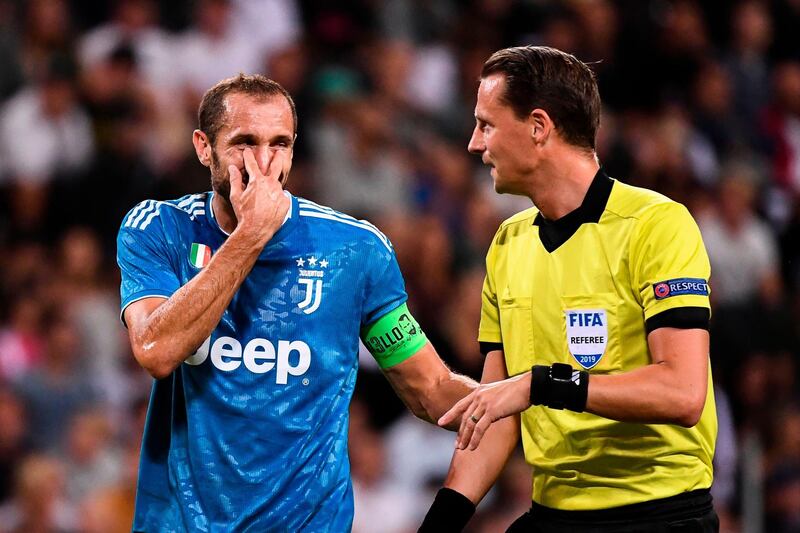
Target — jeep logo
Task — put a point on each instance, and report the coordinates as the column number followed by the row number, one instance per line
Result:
column 258, row 356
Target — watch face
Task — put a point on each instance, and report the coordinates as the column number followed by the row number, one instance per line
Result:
column 561, row 372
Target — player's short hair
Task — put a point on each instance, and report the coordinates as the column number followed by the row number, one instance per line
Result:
column 211, row 113
column 552, row 80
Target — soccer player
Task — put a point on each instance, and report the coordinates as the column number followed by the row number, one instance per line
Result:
column 246, row 304
column 596, row 303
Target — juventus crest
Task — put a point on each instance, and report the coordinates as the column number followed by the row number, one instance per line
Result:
column 311, row 271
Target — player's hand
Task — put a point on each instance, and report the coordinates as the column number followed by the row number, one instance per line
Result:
column 260, row 204
column 487, row 404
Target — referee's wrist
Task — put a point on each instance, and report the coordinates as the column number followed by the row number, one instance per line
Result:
column 559, row 386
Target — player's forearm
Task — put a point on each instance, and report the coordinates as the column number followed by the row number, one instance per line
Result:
column 655, row 394
column 473, row 472
column 426, row 386
column 444, row 394
column 175, row 329
column 429, row 397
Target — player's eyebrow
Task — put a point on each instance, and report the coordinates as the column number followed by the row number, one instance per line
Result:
column 242, row 138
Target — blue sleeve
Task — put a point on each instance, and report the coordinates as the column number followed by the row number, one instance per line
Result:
column 144, row 258
column 385, row 289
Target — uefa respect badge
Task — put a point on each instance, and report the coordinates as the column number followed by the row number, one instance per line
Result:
column 587, row 335
column 680, row 287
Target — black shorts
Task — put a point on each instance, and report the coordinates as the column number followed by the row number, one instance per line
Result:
column 691, row 512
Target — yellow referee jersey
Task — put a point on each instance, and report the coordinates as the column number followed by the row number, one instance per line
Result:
column 585, row 290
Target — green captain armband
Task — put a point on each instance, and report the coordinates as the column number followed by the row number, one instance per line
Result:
column 394, row 337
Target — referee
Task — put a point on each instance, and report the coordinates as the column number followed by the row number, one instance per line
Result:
column 596, row 301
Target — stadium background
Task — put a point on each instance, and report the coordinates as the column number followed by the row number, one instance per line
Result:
column 97, row 103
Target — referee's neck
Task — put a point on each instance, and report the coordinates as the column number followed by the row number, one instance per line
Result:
column 559, row 185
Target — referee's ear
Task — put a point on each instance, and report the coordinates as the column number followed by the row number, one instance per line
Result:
column 541, row 126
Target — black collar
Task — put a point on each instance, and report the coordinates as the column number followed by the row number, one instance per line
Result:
column 554, row 233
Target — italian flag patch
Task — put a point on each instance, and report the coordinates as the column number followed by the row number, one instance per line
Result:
column 199, row 255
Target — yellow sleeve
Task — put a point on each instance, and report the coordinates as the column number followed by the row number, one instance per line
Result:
column 489, row 329
column 669, row 263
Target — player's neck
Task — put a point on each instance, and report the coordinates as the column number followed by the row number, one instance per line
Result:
column 561, row 183
column 224, row 214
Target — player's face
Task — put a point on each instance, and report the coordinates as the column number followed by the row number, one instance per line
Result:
column 503, row 141
column 263, row 125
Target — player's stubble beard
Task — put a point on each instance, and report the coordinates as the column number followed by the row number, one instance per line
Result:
column 221, row 178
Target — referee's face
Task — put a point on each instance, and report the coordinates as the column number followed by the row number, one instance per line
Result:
column 503, row 141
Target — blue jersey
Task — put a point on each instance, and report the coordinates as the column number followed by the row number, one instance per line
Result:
column 250, row 432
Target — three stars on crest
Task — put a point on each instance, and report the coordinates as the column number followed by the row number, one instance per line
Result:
column 312, row 261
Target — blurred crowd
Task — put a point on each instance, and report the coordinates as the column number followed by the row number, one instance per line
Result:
column 97, row 103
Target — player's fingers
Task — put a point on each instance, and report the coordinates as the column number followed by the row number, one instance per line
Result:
column 236, row 181
column 251, row 165
column 275, row 167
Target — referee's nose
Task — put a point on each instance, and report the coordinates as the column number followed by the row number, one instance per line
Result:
column 476, row 144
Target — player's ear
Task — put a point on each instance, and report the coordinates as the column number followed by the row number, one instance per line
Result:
column 202, row 147
column 541, row 126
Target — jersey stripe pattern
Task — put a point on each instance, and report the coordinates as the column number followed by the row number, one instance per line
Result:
column 250, row 432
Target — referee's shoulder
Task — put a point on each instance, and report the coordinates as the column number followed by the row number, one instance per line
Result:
column 523, row 217
column 515, row 226
column 629, row 201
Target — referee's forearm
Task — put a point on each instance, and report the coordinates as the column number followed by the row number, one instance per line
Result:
column 670, row 390
column 648, row 395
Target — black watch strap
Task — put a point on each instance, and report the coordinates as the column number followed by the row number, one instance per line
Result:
column 559, row 387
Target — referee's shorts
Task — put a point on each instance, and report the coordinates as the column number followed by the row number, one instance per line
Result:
column 690, row 512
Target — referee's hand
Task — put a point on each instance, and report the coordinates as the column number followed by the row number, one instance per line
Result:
column 487, row 404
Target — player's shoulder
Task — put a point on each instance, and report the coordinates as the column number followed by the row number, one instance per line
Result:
column 628, row 201
column 186, row 208
column 333, row 222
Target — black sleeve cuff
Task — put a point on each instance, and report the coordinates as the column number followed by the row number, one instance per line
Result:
column 487, row 347
column 681, row 318
column 449, row 513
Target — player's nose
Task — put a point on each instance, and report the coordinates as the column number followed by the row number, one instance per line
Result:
column 476, row 144
column 263, row 155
